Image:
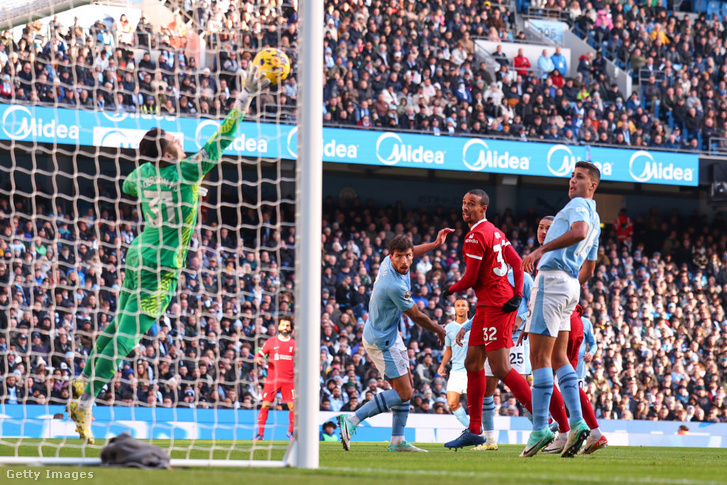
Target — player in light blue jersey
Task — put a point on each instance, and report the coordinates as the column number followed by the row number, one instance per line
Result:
column 567, row 260
column 587, row 350
column 390, row 298
column 455, row 351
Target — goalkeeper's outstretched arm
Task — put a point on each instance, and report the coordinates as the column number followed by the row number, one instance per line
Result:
column 216, row 145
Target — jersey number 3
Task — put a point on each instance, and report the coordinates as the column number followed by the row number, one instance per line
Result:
column 502, row 269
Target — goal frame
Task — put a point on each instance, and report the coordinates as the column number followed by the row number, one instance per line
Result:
column 303, row 451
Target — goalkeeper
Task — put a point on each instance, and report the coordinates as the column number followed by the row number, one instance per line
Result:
column 168, row 187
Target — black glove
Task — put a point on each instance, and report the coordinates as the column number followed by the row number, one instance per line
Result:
column 512, row 304
column 447, row 292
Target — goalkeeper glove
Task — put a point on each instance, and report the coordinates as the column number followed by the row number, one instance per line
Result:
column 512, row 304
column 255, row 82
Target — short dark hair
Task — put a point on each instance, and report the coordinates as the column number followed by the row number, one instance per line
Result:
column 593, row 171
column 484, row 198
column 401, row 244
column 153, row 145
column 287, row 318
column 547, row 218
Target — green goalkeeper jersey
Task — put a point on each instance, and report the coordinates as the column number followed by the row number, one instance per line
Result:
column 169, row 197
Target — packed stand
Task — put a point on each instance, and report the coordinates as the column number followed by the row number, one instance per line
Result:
column 60, row 283
column 657, row 304
column 408, row 66
column 676, row 59
column 656, row 301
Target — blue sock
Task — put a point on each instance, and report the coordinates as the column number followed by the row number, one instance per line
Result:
column 542, row 392
column 568, row 381
column 488, row 414
column 462, row 417
column 398, row 420
column 381, row 403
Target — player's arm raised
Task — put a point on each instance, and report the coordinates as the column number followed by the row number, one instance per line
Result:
column 423, row 249
column 578, row 232
column 198, row 165
column 423, row 321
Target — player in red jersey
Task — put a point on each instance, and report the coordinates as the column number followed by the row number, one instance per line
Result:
column 596, row 440
column 488, row 256
column 575, row 338
column 280, row 352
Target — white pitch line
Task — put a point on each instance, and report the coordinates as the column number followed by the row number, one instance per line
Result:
column 531, row 476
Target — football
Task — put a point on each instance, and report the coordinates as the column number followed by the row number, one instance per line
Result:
column 274, row 63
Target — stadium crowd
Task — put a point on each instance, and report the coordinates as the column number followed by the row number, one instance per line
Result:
column 657, row 304
column 400, row 65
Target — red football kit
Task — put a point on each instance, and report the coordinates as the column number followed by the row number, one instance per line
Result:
column 281, row 369
column 488, row 256
column 575, row 337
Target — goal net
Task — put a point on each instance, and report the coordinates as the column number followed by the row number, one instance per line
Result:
column 78, row 90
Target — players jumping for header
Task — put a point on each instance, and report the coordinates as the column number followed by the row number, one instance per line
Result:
column 384, row 346
column 567, row 260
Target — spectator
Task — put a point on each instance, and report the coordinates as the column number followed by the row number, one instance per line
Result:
column 545, row 64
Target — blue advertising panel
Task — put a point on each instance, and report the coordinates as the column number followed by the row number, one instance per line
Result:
column 109, row 129
column 552, row 29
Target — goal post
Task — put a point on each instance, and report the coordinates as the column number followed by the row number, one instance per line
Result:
column 191, row 385
column 309, row 190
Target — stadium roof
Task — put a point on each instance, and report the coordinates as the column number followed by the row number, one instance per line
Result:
column 18, row 12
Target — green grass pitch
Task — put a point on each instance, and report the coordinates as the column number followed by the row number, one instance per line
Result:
column 372, row 464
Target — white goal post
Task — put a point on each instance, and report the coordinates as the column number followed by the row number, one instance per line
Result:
column 66, row 163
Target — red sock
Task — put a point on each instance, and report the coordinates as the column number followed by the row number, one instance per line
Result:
column 520, row 389
column 262, row 418
column 291, row 420
column 476, row 386
column 557, row 409
column 588, row 413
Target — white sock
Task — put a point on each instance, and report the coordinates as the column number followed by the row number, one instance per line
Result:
column 354, row 419
column 491, row 436
column 596, row 433
column 397, row 440
column 86, row 401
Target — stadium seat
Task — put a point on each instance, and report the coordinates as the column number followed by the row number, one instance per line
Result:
column 713, row 6
column 724, row 9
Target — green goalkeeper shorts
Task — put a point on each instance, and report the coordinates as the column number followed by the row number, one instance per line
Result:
column 153, row 289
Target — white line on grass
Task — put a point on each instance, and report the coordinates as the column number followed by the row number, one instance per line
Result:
column 531, row 476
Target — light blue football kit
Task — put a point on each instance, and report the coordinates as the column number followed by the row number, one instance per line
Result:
column 391, row 296
column 555, row 295
column 588, row 345
column 457, row 381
